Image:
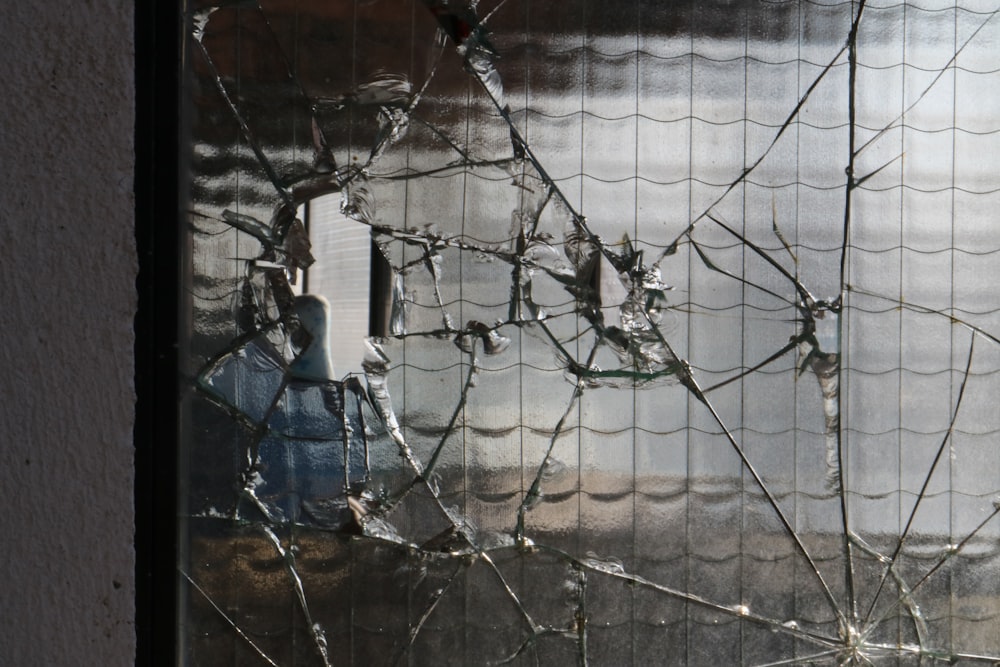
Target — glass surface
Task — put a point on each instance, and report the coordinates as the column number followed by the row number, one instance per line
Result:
column 560, row 333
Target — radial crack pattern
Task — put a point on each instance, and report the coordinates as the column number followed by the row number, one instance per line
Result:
column 501, row 317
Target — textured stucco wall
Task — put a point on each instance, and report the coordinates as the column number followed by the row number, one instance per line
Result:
column 67, row 276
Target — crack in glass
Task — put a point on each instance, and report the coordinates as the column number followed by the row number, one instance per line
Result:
column 592, row 439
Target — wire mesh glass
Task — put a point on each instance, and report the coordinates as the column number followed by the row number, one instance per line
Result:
column 545, row 333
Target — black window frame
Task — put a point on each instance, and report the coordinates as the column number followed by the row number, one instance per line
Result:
column 158, row 59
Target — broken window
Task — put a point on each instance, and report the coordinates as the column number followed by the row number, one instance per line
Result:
column 543, row 333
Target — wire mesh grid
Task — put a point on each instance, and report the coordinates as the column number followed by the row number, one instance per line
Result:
column 687, row 350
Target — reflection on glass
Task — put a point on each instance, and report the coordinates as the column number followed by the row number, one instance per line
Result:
column 562, row 333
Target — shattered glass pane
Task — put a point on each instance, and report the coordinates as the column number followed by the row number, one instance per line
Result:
column 542, row 333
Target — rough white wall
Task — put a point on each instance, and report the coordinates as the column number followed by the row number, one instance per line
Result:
column 67, row 280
